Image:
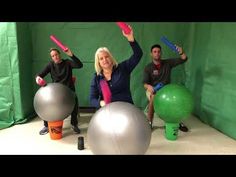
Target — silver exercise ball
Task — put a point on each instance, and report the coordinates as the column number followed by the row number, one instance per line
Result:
column 54, row 102
column 119, row 128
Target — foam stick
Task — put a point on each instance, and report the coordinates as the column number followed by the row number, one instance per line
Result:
column 42, row 82
column 106, row 92
column 73, row 79
column 124, row 27
column 54, row 39
column 169, row 44
column 158, row 86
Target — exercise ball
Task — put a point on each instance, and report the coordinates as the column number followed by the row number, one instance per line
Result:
column 54, row 102
column 173, row 103
column 119, row 128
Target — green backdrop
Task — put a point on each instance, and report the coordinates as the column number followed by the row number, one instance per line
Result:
column 209, row 73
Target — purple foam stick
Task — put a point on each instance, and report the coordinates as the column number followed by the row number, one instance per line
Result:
column 124, row 27
column 106, row 92
column 169, row 44
column 54, row 39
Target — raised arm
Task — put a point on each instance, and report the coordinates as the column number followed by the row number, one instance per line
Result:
column 75, row 63
column 182, row 54
column 131, row 63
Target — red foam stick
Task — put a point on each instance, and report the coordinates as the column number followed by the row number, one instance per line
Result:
column 54, row 39
column 106, row 92
column 73, row 79
column 124, row 27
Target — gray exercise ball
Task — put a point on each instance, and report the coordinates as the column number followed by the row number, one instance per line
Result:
column 54, row 102
column 119, row 128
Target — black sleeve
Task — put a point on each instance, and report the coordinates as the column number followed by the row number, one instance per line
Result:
column 76, row 63
column 176, row 61
column 146, row 77
column 130, row 63
column 45, row 70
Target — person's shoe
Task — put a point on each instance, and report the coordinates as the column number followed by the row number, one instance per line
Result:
column 183, row 128
column 75, row 129
column 150, row 123
column 44, row 131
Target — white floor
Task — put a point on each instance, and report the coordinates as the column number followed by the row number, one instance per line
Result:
column 24, row 139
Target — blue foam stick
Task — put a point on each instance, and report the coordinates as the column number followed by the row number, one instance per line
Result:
column 169, row 44
column 158, row 86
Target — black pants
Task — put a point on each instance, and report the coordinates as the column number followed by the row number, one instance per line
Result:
column 74, row 114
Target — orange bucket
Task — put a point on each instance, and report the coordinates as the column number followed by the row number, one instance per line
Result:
column 55, row 129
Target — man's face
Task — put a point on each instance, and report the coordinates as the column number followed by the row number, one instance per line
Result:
column 156, row 53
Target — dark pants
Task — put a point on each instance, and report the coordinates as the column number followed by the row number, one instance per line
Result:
column 74, row 114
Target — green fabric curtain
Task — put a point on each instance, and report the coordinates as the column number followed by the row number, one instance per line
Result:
column 208, row 74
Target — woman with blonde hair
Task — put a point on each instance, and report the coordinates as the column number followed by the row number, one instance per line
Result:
column 116, row 76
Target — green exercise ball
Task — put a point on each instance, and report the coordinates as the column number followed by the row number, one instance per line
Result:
column 173, row 103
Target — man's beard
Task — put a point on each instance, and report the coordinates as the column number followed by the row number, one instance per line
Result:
column 157, row 60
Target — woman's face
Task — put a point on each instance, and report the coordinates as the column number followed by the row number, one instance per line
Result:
column 104, row 60
column 55, row 56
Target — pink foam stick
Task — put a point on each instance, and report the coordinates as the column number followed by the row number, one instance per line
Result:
column 106, row 92
column 42, row 82
column 124, row 27
column 54, row 39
